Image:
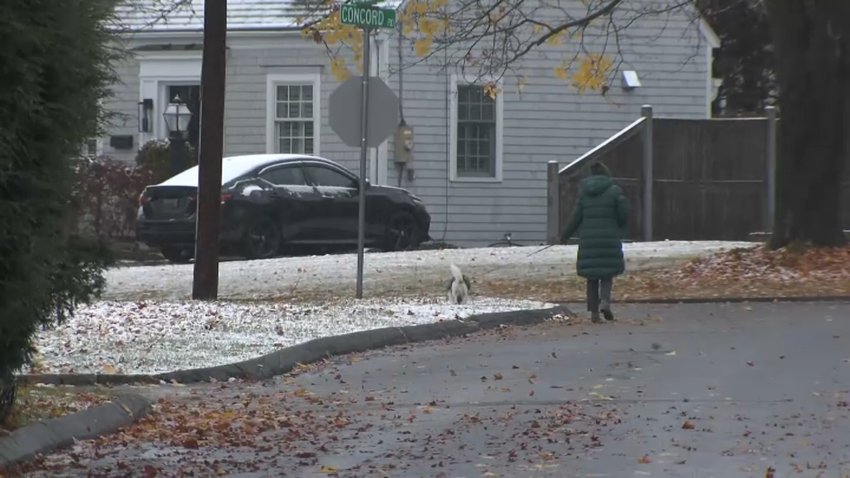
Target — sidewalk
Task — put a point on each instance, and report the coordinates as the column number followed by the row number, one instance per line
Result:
column 673, row 391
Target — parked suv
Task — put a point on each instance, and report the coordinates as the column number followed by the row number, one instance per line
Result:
column 270, row 200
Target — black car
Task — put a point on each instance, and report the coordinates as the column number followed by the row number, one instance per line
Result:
column 274, row 199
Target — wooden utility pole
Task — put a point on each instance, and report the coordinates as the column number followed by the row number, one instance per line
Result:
column 205, row 284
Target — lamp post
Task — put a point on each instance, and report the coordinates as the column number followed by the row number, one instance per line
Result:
column 177, row 116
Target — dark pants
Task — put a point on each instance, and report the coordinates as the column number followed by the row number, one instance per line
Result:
column 599, row 293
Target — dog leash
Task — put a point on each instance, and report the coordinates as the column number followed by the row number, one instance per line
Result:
column 527, row 256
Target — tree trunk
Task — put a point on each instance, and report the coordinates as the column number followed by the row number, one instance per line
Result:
column 811, row 40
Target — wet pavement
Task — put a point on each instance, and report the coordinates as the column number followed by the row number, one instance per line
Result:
column 669, row 391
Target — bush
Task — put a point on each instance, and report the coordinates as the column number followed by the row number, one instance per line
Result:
column 155, row 157
column 56, row 69
column 106, row 196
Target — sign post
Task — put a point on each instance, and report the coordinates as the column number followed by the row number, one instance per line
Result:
column 367, row 18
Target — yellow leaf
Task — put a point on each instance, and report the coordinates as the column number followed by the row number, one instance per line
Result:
column 422, row 47
column 561, row 73
column 420, row 8
column 339, row 70
column 492, row 90
column 537, row 29
column 427, row 26
column 109, row 369
column 440, row 3
column 327, row 469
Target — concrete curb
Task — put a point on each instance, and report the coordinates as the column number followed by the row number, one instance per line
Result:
column 45, row 436
column 284, row 360
column 722, row 300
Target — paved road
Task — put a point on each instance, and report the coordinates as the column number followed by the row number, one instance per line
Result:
column 668, row 391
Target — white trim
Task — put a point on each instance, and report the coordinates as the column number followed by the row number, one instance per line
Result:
column 500, row 121
column 709, row 34
column 158, row 69
column 275, row 79
column 709, row 80
column 383, row 150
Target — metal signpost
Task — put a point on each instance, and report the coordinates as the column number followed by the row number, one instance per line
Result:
column 366, row 17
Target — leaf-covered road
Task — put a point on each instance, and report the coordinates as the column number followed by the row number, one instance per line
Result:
column 668, row 391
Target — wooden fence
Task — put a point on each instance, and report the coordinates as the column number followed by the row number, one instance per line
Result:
column 686, row 179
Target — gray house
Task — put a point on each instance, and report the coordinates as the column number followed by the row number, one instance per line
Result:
column 481, row 175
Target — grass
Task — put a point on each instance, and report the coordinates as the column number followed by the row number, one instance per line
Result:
column 36, row 403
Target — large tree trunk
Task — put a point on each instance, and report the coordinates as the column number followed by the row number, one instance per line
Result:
column 811, row 39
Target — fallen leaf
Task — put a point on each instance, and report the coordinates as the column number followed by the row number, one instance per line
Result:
column 497, row 376
column 645, row 459
column 327, row 469
column 672, row 352
column 688, row 425
column 769, row 472
column 751, row 364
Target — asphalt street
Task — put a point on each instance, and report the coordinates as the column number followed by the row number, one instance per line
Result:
column 713, row 390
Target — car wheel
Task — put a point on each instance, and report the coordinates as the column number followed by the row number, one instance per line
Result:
column 402, row 232
column 262, row 239
column 177, row 255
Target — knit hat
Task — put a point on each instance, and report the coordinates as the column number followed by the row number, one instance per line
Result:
column 600, row 169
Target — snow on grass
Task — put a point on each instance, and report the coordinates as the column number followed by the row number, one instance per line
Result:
column 423, row 272
column 152, row 337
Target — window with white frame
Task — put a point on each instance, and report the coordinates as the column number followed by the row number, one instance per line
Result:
column 295, row 117
column 477, row 134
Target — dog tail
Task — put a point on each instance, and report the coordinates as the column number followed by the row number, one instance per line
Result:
column 456, row 273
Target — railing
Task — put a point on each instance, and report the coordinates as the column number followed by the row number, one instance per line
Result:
column 641, row 125
column 703, row 138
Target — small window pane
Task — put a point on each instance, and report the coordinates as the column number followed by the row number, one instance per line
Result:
column 282, row 93
column 294, row 93
column 285, row 146
column 294, row 111
column 307, row 110
column 282, row 110
column 487, row 111
column 307, row 92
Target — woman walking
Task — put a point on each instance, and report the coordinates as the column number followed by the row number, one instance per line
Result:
column 600, row 217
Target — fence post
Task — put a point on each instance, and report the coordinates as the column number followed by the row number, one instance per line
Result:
column 770, row 153
column 646, row 213
column 553, row 202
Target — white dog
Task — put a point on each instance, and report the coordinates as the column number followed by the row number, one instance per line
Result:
column 459, row 287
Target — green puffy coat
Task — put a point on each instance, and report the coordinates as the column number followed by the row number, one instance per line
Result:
column 600, row 218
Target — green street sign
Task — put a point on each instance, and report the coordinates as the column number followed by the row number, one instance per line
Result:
column 365, row 16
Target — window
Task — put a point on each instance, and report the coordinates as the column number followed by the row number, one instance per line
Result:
column 476, row 134
column 285, row 176
column 292, row 111
column 91, row 148
column 322, row 176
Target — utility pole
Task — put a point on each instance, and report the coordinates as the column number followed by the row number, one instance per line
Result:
column 205, row 284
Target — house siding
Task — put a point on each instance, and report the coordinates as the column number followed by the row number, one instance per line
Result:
column 123, row 105
column 549, row 120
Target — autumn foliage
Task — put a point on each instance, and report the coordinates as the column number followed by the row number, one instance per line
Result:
column 431, row 26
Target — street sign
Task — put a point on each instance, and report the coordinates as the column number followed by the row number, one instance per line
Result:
column 345, row 114
column 365, row 16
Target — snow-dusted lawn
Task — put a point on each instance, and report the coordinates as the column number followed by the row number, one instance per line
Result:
column 150, row 337
column 423, row 272
column 146, row 323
